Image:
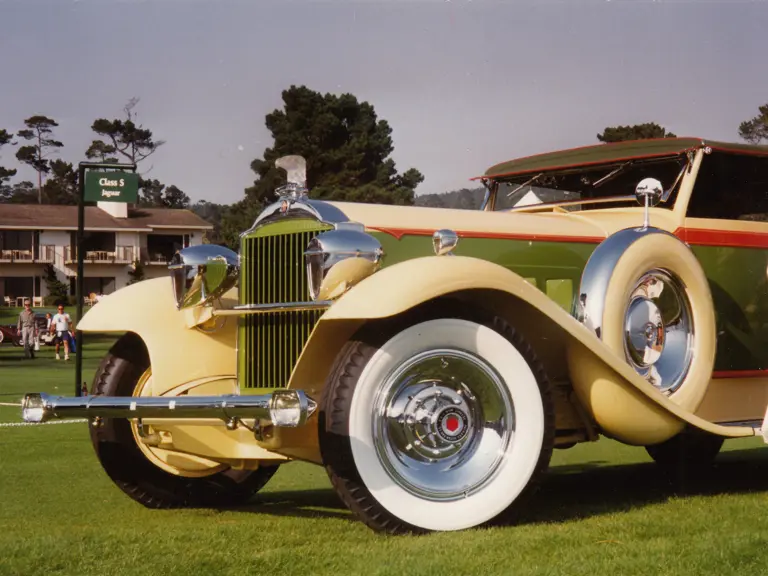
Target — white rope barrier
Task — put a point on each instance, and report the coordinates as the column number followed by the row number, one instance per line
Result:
column 17, row 424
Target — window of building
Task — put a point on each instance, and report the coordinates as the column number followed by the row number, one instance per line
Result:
column 162, row 247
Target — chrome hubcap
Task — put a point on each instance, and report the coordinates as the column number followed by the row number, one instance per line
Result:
column 658, row 330
column 444, row 421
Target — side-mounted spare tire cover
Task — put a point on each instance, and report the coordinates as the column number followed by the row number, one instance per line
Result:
column 644, row 294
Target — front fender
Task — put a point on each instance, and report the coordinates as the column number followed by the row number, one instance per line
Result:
column 625, row 405
column 180, row 351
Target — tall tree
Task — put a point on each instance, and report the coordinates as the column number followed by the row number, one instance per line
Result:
column 236, row 219
column 61, row 186
column 213, row 213
column 346, row 146
column 19, row 193
column 101, row 151
column 175, row 198
column 38, row 131
column 5, row 173
column 154, row 194
column 645, row 131
column 150, row 193
column 123, row 137
column 755, row 130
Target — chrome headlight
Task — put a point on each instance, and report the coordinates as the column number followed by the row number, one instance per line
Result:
column 339, row 259
column 200, row 274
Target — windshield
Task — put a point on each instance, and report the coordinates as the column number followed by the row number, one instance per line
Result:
column 603, row 186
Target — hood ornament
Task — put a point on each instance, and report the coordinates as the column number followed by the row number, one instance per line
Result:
column 296, row 188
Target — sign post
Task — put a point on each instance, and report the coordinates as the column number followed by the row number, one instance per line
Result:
column 117, row 186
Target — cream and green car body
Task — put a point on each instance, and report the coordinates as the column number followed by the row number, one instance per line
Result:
column 525, row 264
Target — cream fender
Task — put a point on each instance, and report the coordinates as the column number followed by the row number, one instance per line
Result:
column 627, row 406
column 180, row 350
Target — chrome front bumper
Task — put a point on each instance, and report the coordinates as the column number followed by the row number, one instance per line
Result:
column 282, row 408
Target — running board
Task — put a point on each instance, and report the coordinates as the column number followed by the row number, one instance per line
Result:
column 759, row 427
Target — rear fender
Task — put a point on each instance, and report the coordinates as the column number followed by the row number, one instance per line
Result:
column 624, row 405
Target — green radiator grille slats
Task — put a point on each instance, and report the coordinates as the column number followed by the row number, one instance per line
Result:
column 273, row 271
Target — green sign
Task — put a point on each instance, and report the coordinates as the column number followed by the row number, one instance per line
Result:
column 111, row 187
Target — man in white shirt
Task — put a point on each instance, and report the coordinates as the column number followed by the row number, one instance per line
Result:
column 61, row 324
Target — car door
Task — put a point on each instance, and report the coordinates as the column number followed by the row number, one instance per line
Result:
column 726, row 226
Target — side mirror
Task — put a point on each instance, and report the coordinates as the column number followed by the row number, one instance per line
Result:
column 649, row 192
column 201, row 274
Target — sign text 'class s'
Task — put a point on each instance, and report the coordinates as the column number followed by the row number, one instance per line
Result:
column 111, row 187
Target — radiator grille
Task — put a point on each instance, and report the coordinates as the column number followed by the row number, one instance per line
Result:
column 273, row 271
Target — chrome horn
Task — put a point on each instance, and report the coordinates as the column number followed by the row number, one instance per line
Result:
column 202, row 274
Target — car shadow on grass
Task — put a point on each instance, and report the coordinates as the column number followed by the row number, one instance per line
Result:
column 318, row 503
column 571, row 492
column 592, row 489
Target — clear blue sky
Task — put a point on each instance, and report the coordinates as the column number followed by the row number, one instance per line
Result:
column 464, row 84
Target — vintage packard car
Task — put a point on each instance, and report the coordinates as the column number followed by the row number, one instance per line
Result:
column 431, row 359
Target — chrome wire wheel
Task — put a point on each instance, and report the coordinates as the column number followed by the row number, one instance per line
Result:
column 444, row 420
column 658, row 330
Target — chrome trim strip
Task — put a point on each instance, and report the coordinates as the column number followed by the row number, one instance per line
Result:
column 757, row 423
column 274, row 307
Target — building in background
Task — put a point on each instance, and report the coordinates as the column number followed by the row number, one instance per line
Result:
column 117, row 237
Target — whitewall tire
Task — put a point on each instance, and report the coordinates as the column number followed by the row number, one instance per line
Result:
column 438, row 425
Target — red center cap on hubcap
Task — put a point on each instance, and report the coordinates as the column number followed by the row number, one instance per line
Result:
column 452, row 423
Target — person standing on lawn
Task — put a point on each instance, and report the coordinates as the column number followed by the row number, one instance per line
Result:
column 26, row 327
column 61, row 323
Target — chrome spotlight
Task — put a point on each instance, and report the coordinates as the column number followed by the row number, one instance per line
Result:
column 203, row 273
column 339, row 259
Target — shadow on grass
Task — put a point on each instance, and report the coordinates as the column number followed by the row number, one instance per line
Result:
column 585, row 490
column 323, row 503
column 571, row 492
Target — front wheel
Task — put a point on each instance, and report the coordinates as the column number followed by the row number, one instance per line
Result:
column 440, row 425
column 148, row 475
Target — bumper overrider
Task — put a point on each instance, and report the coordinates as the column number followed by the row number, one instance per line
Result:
column 281, row 408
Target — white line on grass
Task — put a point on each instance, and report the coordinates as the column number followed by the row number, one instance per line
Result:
column 16, row 424
column 9, row 404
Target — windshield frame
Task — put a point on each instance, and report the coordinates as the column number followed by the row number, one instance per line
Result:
column 494, row 186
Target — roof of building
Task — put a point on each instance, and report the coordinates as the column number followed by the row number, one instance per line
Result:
column 614, row 152
column 53, row 217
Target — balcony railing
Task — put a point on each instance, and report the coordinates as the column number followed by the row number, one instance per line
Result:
column 16, row 256
column 45, row 254
column 121, row 255
column 154, row 257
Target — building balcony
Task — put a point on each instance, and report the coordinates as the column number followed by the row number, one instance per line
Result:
column 155, row 258
column 121, row 255
column 46, row 254
column 10, row 256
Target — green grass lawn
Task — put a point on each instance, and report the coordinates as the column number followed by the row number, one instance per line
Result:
column 603, row 509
